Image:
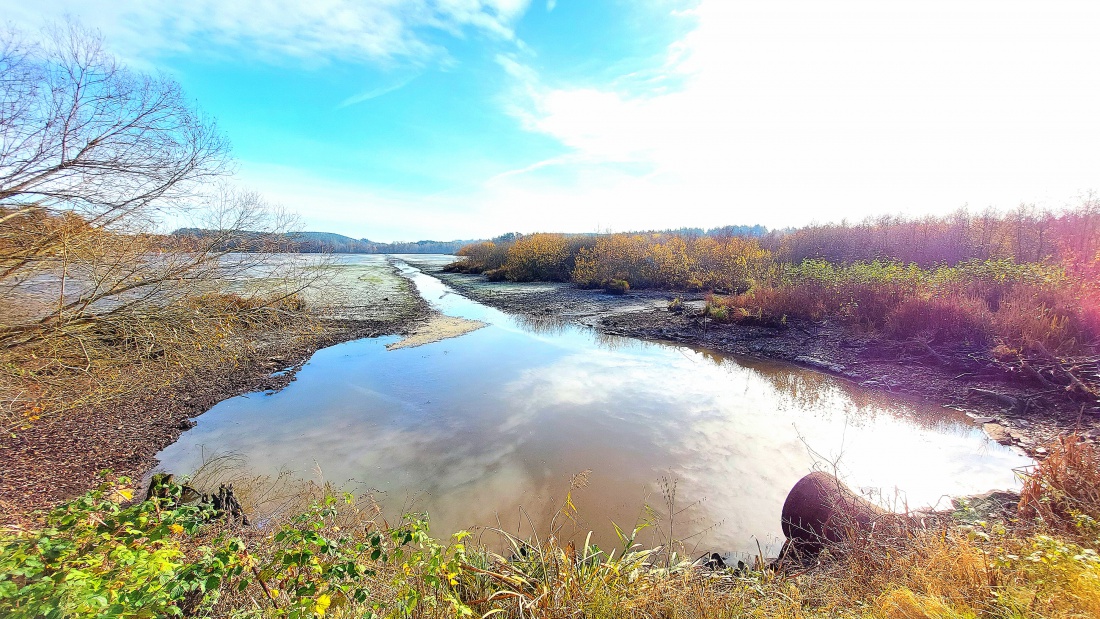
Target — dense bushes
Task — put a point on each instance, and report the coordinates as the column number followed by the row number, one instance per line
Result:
column 1024, row 234
column 1023, row 279
column 481, row 257
column 104, row 555
column 97, row 557
column 1022, row 306
column 656, row 260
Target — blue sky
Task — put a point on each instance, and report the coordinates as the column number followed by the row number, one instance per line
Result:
column 409, row 119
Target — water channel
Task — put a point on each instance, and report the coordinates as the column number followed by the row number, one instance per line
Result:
column 474, row 428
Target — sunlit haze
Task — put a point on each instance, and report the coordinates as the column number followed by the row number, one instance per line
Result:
column 452, row 119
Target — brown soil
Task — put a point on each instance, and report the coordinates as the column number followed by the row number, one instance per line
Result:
column 954, row 377
column 60, row 457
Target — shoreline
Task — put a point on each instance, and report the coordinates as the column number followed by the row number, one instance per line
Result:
column 60, row 457
column 943, row 377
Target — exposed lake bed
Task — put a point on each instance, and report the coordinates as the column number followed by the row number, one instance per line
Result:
column 61, row 456
column 473, row 428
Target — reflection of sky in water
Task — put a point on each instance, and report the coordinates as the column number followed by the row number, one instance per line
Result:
column 471, row 428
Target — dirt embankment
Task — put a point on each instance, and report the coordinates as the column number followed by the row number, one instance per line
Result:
column 58, row 458
column 1013, row 409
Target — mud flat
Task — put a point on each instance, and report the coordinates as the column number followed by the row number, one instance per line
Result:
column 60, row 457
column 952, row 378
column 364, row 288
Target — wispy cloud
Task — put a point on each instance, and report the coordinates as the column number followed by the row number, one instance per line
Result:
column 382, row 31
column 567, row 159
column 377, row 92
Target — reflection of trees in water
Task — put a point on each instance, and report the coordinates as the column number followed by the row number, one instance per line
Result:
column 801, row 389
column 543, row 325
column 551, row 324
column 615, row 342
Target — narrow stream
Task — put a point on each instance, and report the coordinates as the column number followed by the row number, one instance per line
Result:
column 473, row 428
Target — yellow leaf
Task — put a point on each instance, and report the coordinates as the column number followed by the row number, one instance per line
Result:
column 176, row 528
column 322, row 604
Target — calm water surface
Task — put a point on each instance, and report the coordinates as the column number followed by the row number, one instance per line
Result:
column 473, row 428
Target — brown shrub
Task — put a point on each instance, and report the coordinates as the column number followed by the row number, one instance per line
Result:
column 1063, row 492
column 617, row 286
column 940, row 319
column 1060, row 319
column 771, row 304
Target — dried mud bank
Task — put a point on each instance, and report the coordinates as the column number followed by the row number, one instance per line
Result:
column 60, row 457
column 1012, row 409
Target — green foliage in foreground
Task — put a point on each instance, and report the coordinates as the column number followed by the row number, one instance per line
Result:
column 99, row 557
column 95, row 557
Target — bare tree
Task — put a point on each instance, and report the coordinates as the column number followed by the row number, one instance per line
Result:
column 92, row 157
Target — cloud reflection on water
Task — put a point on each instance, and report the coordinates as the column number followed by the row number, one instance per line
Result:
column 471, row 428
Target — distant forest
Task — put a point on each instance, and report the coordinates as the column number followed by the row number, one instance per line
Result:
column 330, row 243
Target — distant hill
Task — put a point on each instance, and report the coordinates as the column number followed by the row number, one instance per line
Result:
column 331, row 242
column 338, row 242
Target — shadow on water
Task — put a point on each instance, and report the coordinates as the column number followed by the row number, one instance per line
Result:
column 473, row 428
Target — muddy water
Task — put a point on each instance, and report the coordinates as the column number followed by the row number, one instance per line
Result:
column 473, row 428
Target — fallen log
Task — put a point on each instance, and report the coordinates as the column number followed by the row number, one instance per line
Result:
column 927, row 350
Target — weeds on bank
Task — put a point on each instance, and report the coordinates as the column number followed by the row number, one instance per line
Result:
column 1063, row 493
column 102, row 555
column 103, row 361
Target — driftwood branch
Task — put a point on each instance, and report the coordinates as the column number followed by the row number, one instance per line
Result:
column 1075, row 382
column 1031, row 371
column 1007, row 401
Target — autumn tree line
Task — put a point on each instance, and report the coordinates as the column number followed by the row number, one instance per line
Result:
column 1024, row 278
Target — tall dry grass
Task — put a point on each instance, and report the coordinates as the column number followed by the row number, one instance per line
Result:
column 1063, row 492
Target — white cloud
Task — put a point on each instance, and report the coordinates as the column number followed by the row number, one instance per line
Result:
column 766, row 112
column 274, row 30
column 793, row 111
column 787, row 113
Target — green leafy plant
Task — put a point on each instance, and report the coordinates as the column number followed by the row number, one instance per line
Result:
column 97, row 556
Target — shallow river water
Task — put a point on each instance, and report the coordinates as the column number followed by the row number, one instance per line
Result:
column 473, row 428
